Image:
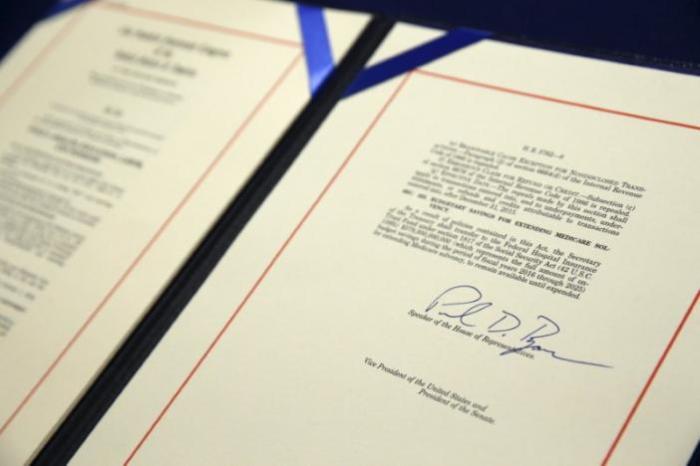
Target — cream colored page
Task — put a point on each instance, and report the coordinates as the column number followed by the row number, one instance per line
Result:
column 323, row 346
column 28, row 47
column 121, row 143
column 671, row 409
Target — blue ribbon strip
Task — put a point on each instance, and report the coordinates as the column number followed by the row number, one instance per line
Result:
column 317, row 46
column 415, row 57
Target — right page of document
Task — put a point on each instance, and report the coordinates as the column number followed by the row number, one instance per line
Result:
column 489, row 260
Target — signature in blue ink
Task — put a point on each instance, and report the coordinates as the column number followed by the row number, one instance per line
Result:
column 463, row 302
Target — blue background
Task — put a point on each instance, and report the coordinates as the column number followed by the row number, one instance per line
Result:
column 663, row 34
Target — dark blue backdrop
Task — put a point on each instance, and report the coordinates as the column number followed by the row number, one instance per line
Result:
column 664, row 33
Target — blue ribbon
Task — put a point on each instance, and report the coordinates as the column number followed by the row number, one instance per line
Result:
column 415, row 57
column 317, row 47
column 62, row 5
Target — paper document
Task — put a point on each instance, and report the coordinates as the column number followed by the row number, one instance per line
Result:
column 489, row 260
column 125, row 129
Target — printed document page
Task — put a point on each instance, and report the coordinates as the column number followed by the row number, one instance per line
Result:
column 125, row 129
column 489, row 260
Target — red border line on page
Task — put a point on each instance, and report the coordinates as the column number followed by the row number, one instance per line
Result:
column 680, row 326
column 649, row 381
column 330, row 183
column 555, row 100
column 262, row 276
column 60, row 35
column 198, row 182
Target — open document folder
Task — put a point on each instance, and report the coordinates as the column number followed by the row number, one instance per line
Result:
column 489, row 260
column 125, row 129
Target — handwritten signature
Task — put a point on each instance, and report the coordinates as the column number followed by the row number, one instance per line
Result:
column 462, row 302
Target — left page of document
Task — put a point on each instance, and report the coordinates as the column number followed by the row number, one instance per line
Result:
column 125, row 129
